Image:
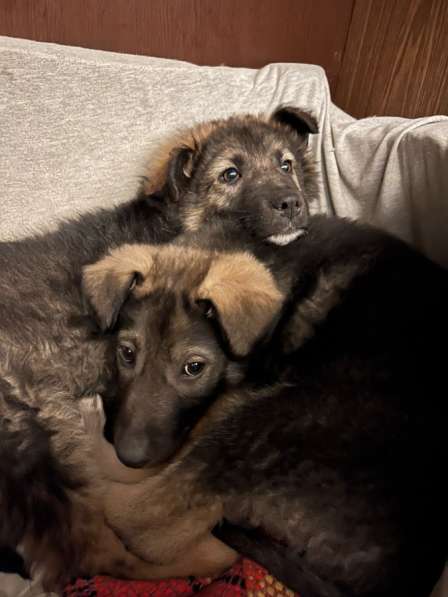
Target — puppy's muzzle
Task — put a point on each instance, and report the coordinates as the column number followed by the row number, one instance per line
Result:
column 144, row 448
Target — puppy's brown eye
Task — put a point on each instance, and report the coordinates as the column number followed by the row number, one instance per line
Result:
column 127, row 355
column 193, row 368
column 230, row 176
column 286, row 165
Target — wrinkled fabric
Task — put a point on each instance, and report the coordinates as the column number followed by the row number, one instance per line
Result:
column 244, row 579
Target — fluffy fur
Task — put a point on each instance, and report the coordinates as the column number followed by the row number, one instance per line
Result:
column 340, row 463
column 50, row 357
column 255, row 170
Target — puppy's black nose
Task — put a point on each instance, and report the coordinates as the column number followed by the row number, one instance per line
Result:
column 133, row 451
column 146, row 446
column 287, row 206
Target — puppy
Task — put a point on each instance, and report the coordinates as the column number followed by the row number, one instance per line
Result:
column 50, row 358
column 340, row 464
column 165, row 341
column 179, row 317
column 254, row 170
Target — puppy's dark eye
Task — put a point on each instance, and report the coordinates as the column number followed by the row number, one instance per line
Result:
column 193, row 368
column 230, row 176
column 127, row 354
column 286, row 165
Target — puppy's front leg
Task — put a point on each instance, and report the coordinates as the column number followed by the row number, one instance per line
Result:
column 163, row 521
column 152, row 514
column 208, row 557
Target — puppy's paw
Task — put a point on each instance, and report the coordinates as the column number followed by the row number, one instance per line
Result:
column 92, row 412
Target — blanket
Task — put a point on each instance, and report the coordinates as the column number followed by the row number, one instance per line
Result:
column 244, row 579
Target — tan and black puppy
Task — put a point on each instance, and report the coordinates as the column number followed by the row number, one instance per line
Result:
column 188, row 318
column 339, row 466
column 256, row 170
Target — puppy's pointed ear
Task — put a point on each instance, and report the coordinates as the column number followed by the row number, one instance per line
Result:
column 296, row 119
column 180, row 170
column 172, row 166
column 108, row 283
column 242, row 295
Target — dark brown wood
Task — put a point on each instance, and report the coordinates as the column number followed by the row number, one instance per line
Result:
column 381, row 56
column 396, row 59
column 233, row 32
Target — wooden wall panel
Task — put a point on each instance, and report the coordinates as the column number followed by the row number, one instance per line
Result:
column 233, row 32
column 396, row 59
column 381, row 56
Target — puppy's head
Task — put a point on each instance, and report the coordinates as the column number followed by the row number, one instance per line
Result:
column 253, row 169
column 185, row 322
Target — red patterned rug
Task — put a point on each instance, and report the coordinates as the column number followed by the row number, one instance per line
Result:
column 244, row 579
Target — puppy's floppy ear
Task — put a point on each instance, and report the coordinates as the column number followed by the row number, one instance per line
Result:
column 172, row 165
column 296, row 119
column 179, row 170
column 108, row 283
column 245, row 297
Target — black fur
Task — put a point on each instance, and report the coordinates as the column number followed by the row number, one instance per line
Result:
column 337, row 468
column 344, row 465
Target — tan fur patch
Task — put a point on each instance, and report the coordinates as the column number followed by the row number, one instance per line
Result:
column 296, row 180
column 246, row 296
column 121, row 263
column 242, row 289
column 192, row 138
column 156, row 265
column 108, row 281
column 157, row 165
column 184, row 548
column 193, row 217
